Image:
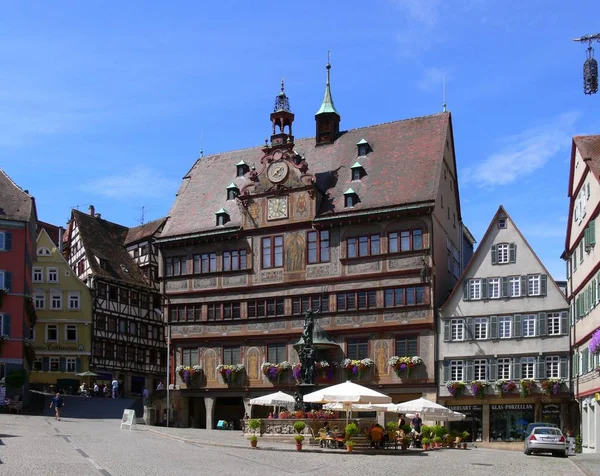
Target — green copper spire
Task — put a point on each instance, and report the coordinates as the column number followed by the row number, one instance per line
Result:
column 327, row 104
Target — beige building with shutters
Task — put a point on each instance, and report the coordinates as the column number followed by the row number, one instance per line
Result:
column 505, row 328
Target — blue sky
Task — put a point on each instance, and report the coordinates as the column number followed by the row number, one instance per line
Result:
column 109, row 103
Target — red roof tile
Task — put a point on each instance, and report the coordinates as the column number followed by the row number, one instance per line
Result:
column 145, row 231
column 15, row 204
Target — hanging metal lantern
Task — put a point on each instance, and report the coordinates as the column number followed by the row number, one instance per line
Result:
column 590, row 73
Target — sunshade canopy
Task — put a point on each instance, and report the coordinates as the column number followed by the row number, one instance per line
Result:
column 273, row 399
column 347, row 392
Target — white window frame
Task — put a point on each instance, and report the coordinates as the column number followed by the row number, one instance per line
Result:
column 48, row 328
column 71, row 364
column 457, row 370
column 54, row 360
column 480, row 369
column 534, row 285
column 553, row 367
column 2, row 323
column 514, row 286
column 481, row 328
column 528, row 367
column 70, row 327
column 505, row 323
column 37, row 275
column 457, row 330
column 554, row 322
column 493, row 288
column 2, row 279
column 502, row 253
column 2, row 241
column 529, row 324
column 474, row 289
column 504, row 366
column 74, row 298
column 52, row 273
column 39, row 299
column 55, row 298
column 501, row 223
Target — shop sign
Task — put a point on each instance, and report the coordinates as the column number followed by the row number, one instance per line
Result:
column 551, row 409
column 466, row 408
column 522, row 406
column 60, row 348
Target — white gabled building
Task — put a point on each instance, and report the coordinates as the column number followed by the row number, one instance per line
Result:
column 505, row 326
column 583, row 275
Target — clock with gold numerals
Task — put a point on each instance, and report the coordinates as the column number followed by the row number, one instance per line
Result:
column 277, row 207
column 277, row 172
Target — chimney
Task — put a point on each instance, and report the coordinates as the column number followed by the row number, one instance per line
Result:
column 61, row 232
column 98, row 215
column 92, row 210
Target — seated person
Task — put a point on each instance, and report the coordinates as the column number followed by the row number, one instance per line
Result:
column 327, row 428
column 376, row 435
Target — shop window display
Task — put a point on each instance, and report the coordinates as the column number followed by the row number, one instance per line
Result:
column 508, row 422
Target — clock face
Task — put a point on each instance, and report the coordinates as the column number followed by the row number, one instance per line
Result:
column 277, row 208
column 278, row 172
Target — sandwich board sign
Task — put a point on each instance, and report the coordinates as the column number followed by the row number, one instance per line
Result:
column 128, row 419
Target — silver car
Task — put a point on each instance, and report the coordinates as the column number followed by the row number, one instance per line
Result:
column 546, row 439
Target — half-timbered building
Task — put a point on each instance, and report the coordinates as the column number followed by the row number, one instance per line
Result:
column 128, row 328
column 363, row 225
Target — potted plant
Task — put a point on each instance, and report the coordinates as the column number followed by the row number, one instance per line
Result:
column 349, row 445
column 438, row 441
column 406, row 442
column 465, row 435
column 351, row 430
column 299, row 428
column 253, row 424
column 299, row 439
column 425, row 442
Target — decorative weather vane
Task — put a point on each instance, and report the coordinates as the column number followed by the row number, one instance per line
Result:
column 590, row 67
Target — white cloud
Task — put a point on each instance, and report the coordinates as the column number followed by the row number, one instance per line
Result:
column 524, row 153
column 420, row 21
column 432, row 79
column 141, row 182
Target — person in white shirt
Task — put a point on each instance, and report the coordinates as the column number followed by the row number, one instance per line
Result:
column 159, row 386
column 96, row 389
column 115, row 388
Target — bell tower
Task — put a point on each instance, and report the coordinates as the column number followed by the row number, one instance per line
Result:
column 282, row 117
column 327, row 118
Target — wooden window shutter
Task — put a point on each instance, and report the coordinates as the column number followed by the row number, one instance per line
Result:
column 505, row 286
column 542, row 324
column 63, row 364
column 470, row 329
column 541, row 367
column 484, row 288
column 524, row 285
column 447, row 333
column 544, row 284
column 564, row 367
column 8, row 241
column 78, row 364
column 516, row 369
column 466, row 290
column 512, row 253
column 446, row 370
column 468, row 375
column 493, row 369
column 592, row 227
column 564, row 324
column 46, row 364
column 6, row 325
column 517, row 331
column 586, row 239
column 493, row 327
column 8, row 280
column 494, row 260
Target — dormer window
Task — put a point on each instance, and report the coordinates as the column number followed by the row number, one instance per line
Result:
column 222, row 217
column 350, row 198
column 358, row 171
column 501, row 222
column 363, row 147
column 232, row 191
column 242, row 168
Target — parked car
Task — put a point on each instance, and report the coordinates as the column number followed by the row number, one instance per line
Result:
column 537, row 424
column 546, row 439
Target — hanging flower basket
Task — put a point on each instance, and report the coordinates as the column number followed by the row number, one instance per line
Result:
column 275, row 371
column 526, row 387
column 594, row 346
column 551, row 386
column 188, row 373
column 28, row 351
column 357, row 367
column 402, row 365
column 229, row 373
column 478, row 388
column 455, row 387
column 3, row 293
column 30, row 310
column 323, row 367
column 504, row 387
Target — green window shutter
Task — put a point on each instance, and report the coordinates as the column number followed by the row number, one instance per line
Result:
column 564, row 322
column 512, row 252
column 592, row 227
column 544, row 284
column 470, row 329
column 466, row 290
column 517, row 331
column 541, row 367
column 542, row 324
column 63, row 364
column 575, row 259
column 493, row 369
column 493, row 327
column 484, row 288
column 523, row 285
column 468, row 370
column 564, row 368
column 505, row 286
column 581, row 252
column 586, row 239
column 574, row 362
column 447, row 334
column 516, row 369
column 7, row 240
column 46, row 364
column 8, row 280
column 594, row 292
column 78, row 365
column 494, row 260
column 446, row 370
column 6, row 325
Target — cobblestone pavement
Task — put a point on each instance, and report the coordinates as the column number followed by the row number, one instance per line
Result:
column 42, row 446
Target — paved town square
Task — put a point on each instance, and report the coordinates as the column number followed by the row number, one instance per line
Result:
column 34, row 445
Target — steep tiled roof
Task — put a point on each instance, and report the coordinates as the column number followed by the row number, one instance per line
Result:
column 105, row 240
column 15, row 204
column 145, row 231
column 589, row 148
column 52, row 230
column 403, row 167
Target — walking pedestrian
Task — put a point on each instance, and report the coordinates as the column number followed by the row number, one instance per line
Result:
column 115, row 388
column 57, row 403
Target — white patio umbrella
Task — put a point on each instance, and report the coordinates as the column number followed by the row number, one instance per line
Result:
column 347, row 394
column 426, row 408
column 279, row 399
column 362, row 407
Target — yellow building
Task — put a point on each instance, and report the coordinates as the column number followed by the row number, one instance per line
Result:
column 62, row 334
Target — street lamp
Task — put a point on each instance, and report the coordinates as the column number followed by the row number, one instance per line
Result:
column 590, row 66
